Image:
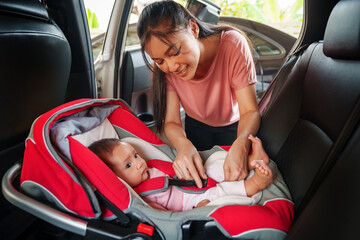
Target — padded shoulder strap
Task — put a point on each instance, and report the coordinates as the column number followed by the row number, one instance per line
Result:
column 152, row 186
column 165, row 167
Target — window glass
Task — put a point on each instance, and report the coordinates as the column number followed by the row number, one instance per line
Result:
column 284, row 15
column 98, row 15
column 263, row 47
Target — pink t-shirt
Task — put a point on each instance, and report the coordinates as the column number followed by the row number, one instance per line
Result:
column 212, row 99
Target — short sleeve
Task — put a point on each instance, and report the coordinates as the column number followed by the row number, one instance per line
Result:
column 169, row 85
column 242, row 65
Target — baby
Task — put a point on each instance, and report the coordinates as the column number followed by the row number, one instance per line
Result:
column 127, row 164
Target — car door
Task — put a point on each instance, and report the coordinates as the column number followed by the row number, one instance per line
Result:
column 120, row 70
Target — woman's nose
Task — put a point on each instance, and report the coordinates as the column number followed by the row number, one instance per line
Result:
column 173, row 66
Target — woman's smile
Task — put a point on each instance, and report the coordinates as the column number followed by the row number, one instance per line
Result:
column 183, row 72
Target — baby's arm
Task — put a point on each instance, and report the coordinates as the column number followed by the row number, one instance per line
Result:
column 203, row 203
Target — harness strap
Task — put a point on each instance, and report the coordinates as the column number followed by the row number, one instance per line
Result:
column 161, row 184
column 187, row 183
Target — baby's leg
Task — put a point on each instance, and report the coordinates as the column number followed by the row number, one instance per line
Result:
column 261, row 179
column 258, row 152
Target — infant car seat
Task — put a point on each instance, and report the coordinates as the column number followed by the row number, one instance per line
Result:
column 61, row 171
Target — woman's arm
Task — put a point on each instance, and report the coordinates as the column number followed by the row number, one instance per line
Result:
column 236, row 162
column 188, row 163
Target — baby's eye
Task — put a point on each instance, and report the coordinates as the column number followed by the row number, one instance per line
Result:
column 128, row 165
column 136, row 155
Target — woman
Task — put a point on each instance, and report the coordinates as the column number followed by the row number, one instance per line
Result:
column 209, row 71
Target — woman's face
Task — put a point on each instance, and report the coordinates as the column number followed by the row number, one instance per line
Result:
column 180, row 56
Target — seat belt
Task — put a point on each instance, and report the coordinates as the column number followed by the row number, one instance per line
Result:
column 279, row 80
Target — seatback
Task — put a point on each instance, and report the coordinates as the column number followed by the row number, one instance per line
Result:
column 70, row 16
column 34, row 71
column 302, row 125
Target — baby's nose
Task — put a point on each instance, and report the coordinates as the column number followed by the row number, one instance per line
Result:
column 138, row 164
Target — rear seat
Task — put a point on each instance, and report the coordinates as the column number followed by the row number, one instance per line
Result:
column 34, row 68
column 303, row 128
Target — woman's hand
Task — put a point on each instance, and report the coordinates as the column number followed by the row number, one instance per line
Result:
column 236, row 163
column 188, row 164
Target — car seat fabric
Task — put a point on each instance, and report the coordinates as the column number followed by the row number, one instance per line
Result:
column 50, row 174
column 300, row 129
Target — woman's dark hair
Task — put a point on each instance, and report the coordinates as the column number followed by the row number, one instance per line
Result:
column 173, row 17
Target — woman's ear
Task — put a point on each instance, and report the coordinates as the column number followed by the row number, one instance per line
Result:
column 194, row 28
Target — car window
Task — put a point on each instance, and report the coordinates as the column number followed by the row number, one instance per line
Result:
column 98, row 15
column 262, row 46
column 284, row 15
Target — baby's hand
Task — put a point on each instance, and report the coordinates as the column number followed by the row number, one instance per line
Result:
column 203, row 203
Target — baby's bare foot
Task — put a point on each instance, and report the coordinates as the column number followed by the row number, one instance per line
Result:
column 258, row 152
column 263, row 175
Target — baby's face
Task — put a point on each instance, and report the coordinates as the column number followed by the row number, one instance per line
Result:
column 128, row 165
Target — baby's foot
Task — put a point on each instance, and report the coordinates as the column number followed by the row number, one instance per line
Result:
column 258, row 152
column 263, row 175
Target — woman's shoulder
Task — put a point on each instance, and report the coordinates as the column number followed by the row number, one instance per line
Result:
column 232, row 37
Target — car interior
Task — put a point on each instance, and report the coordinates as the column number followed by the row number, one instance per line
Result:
column 309, row 115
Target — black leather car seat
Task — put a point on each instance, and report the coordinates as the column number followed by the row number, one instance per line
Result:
column 34, row 70
column 304, row 127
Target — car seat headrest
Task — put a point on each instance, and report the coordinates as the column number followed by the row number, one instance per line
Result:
column 342, row 34
column 33, row 9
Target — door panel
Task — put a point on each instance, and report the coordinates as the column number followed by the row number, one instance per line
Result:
column 136, row 84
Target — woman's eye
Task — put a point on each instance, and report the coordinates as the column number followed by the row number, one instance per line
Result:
column 128, row 165
column 136, row 155
column 159, row 62
column 177, row 52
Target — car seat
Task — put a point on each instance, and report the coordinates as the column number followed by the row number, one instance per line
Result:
column 311, row 120
column 59, row 170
